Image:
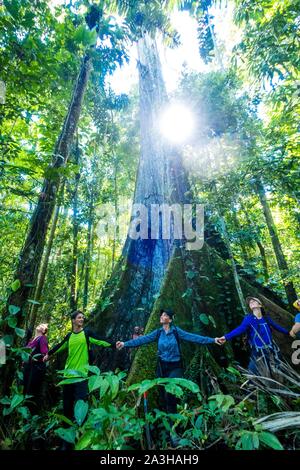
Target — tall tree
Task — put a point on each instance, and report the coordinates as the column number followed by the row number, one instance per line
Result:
column 280, row 257
column 161, row 179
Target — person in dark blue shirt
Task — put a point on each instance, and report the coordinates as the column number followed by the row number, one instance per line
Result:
column 169, row 364
column 258, row 327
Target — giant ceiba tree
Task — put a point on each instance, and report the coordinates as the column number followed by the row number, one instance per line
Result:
column 153, row 273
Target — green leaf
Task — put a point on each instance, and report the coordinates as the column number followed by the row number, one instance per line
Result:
column 174, row 389
column 20, row 332
column 270, row 440
column 80, row 411
column 13, row 309
column 199, row 422
column 68, row 434
column 64, row 419
column 212, row 320
column 113, row 382
column 8, row 340
column 34, row 302
column 15, row 285
column 234, row 371
column 12, row 322
column 94, row 370
column 191, row 274
column 95, row 382
column 247, row 441
column 5, row 401
column 85, row 36
column 187, row 293
column 24, row 411
column 85, row 440
column 224, row 402
column 16, row 400
column 13, row 7
column 204, row 318
column 71, row 381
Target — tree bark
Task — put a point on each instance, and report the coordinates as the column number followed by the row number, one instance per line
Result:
column 74, row 269
column 88, row 252
column 233, row 265
column 44, row 269
column 259, row 244
column 161, row 179
column 280, row 257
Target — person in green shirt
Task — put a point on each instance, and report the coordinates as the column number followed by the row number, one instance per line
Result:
column 78, row 345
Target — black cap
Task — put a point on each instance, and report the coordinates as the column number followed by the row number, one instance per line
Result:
column 168, row 312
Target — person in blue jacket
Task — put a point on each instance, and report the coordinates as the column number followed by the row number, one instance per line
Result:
column 258, row 327
column 169, row 364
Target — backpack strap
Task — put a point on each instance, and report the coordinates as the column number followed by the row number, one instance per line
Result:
column 159, row 332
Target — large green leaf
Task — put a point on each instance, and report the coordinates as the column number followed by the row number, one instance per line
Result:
column 15, row 285
column 13, row 309
column 95, row 382
column 16, row 400
column 20, row 332
column 68, row 434
column 85, row 440
column 85, row 36
column 204, row 319
column 270, row 440
column 80, row 411
column 12, row 322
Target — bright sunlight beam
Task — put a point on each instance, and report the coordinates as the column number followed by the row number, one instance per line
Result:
column 176, row 123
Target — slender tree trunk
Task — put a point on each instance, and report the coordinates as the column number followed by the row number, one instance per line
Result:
column 238, row 226
column 233, row 265
column 263, row 259
column 258, row 243
column 44, row 269
column 88, row 253
column 74, row 269
column 281, row 260
column 31, row 255
column 217, row 52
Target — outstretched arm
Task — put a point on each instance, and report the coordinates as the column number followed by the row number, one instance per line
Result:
column 62, row 346
column 193, row 338
column 242, row 328
column 100, row 340
column 276, row 326
column 141, row 340
column 296, row 328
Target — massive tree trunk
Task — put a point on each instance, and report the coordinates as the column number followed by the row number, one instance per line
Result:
column 281, row 260
column 160, row 180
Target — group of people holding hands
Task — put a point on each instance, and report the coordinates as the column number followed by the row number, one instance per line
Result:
column 257, row 325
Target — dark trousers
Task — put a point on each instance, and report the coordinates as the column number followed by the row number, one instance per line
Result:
column 33, row 377
column 71, row 394
column 264, row 361
column 168, row 370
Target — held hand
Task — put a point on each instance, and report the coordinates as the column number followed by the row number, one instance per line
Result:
column 119, row 345
column 220, row 341
column 46, row 358
column 292, row 334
